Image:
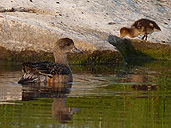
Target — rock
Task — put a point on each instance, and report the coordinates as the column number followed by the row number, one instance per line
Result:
column 19, row 34
column 35, row 25
column 136, row 50
column 2, row 9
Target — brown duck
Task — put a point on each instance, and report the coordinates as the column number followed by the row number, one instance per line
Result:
column 49, row 72
column 140, row 27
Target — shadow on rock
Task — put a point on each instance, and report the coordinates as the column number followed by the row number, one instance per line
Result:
column 128, row 51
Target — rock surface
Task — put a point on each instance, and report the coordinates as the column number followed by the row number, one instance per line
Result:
column 140, row 50
column 36, row 25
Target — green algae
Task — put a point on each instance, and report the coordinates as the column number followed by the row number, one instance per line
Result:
column 96, row 57
column 129, row 50
column 26, row 55
column 157, row 51
column 133, row 49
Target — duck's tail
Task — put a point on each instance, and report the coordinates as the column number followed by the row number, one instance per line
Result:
column 31, row 78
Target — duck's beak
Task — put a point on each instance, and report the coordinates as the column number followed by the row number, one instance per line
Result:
column 76, row 50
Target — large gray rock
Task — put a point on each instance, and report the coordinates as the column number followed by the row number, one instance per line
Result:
column 36, row 25
column 21, row 33
column 24, row 26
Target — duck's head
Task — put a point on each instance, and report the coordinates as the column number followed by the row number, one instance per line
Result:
column 61, row 49
column 124, row 31
column 65, row 45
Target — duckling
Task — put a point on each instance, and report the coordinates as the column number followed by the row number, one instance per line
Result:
column 48, row 72
column 140, row 27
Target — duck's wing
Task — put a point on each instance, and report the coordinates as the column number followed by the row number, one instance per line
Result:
column 39, row 71
column 139, row 24
column 45, row 68
column 146, row 25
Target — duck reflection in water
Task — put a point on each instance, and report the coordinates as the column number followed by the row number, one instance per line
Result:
column 60, row 112
column 56, row 91
column 141, row 82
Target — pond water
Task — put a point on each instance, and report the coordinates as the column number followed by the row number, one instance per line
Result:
column 101, row 96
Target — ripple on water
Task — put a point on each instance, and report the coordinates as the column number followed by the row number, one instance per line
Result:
column 104, row 98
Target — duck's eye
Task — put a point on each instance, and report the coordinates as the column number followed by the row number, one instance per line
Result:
column 68, row 44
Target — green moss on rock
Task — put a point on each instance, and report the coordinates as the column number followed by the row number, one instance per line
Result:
column 141, row 50
column 26, row 55
column 154, row 50
column 76, row 58
column 97, row 57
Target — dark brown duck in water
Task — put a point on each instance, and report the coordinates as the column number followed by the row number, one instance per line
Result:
column 140, row 27
column 49, row 72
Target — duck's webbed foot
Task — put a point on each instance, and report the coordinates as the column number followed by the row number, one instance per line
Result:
column 144, row 37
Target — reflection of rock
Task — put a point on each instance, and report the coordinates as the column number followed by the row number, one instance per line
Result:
column 9, row 89
column 10, row 93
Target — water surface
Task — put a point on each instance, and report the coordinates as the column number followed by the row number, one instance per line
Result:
column 101, row 96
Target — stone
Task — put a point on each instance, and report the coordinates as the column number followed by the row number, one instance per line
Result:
column 36, row 25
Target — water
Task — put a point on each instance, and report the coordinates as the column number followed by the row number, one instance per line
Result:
column 101, row 96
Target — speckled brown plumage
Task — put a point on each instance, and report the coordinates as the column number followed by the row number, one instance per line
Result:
column 49, row 72
column 140, row 27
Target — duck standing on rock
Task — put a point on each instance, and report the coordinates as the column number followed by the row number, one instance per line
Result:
column 140, row 27
column 48, row 72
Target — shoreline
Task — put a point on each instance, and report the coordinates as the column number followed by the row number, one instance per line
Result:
column 128, row 50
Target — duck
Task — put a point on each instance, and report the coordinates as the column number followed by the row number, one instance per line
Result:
column 140, row 27
column 49, row 72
